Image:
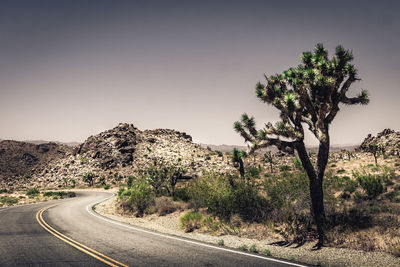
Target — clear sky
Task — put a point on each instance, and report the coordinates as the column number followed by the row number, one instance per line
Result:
column 70, row 69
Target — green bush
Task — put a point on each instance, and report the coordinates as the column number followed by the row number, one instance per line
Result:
column 32, row 191
column 393, row 196
column 221, row 242
column 181, row 194
column 243, row 247
column 106, row 187
column 8, row 200
column 3, row 190
column 58, row 194
column 223, row 197
column 191, row 221
column 341, row 171
column 297, row 163
column 252, row 173
column 140, row 196
column 370, row 183
column 267, row 252
column 288, row 194
column 253, row 249
column 284, row 168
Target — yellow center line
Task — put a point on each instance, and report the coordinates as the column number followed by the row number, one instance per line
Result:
column 101, row 257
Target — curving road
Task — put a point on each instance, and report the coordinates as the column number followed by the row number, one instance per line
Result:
column 71, row 234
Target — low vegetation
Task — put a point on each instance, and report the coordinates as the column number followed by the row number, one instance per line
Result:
column 362, row 204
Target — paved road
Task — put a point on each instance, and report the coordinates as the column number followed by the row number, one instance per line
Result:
column 74, row 233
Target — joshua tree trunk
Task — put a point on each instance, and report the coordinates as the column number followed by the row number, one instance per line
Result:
column 316, row 181
column 241, row 169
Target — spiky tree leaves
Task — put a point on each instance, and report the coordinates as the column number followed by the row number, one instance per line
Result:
column 310, row 94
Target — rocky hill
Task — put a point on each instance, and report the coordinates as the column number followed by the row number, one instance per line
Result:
column 20, row 160
column 115, row 154
column 388, row 138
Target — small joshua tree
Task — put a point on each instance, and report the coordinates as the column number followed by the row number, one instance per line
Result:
column 309, row 94
column 88, row 178
column 237, row 159
column 374, row 150
column 270, row 159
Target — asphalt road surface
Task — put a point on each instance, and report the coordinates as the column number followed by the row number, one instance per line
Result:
column 68, row 233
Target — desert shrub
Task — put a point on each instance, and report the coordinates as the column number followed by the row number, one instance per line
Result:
column 267, row 252
column 130, row 181
column 289, row 202
column 181, row 194
column 341, row 171
column 288, row 193
column 284, row 168
column 106, row 187
column 102, row 180
column 220, row 242
column 393, row 196
column 333, row 165
column 370, row 183
column 224, row 197
column 211, row 224
column 3, row 190
column 297, row 164
column 32, row 192
column 48, row 193
column 252, row 173
column 140, row 196
column 191, row 221
column 243, row 247
column 253, row 249
column 164, row 206
column 8, row 200
column 58, row 194
column 121, row 192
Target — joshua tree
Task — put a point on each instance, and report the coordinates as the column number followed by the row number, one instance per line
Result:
column 374, row 149
column 382, row 148
column 309, row 94
column 237, row 159
column 270, row 159
column 88, row 178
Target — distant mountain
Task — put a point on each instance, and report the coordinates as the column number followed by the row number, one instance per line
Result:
column 223, row 148
column 39, row 142
column 228, row 148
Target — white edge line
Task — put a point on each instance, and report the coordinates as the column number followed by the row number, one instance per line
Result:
column 89, row 209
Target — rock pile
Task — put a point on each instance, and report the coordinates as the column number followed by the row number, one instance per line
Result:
column 389, row 139
column 19, row 161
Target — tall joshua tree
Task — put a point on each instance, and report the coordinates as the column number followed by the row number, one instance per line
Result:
column 309, row 94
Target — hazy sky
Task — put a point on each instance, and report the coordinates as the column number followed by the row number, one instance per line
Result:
column 70, row 69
